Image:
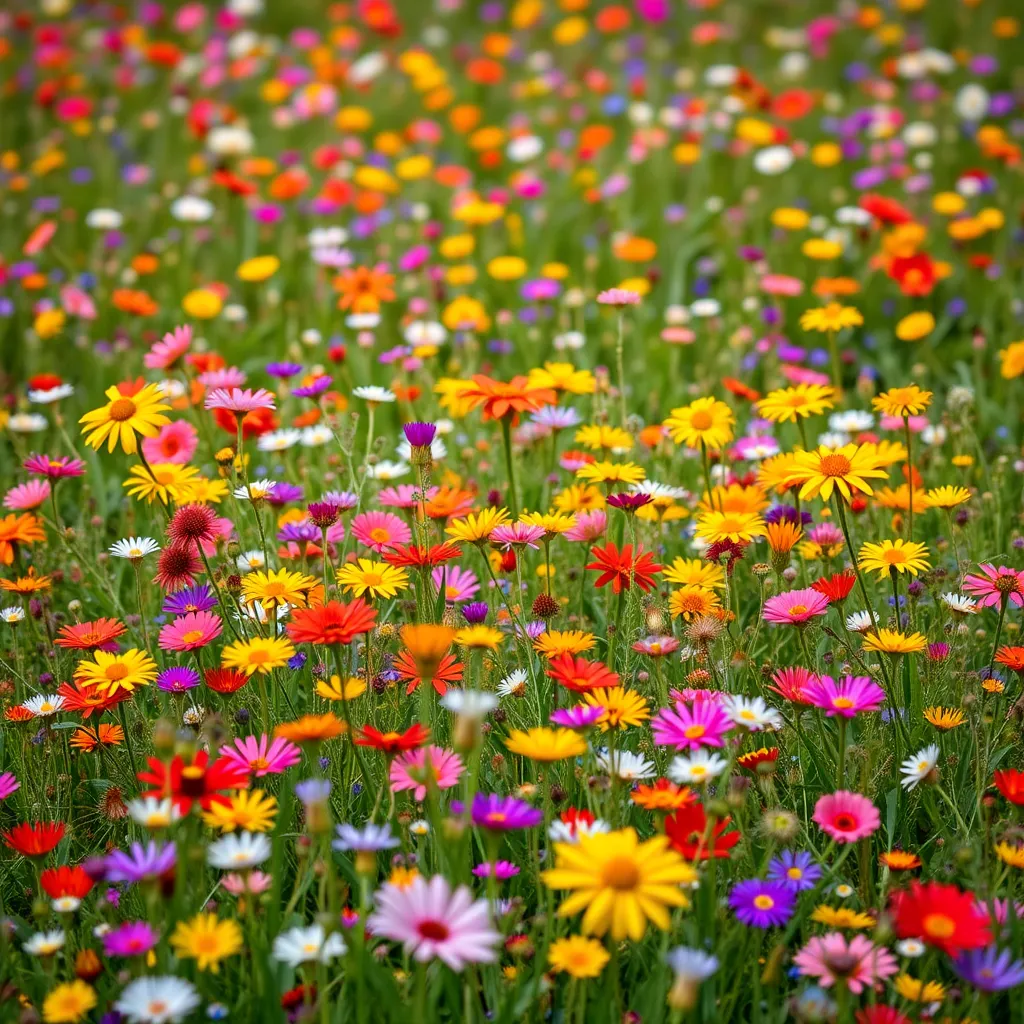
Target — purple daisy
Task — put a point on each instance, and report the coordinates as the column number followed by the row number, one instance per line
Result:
column 582, row 716
column 762, row 904
column 500, row 869
column 795, row 870
column 503, row 813
column 284, row 370
column 177, row 679
column 200, row 598
column 315, row 388
column 989, row 969
column 140, row 863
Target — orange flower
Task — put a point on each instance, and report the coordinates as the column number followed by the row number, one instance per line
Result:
column 89, row 739
column 500, row 399
column 363, row 289
column 311, row 728
column 18, row 529
column 333, row 623
column 663, row 795
column 138, row 303
column 448, row 670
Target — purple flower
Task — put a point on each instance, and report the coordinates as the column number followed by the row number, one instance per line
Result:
column 503, row 813
column 582, row 716
column 555, row 418
column 281, row 493
column 141, row 863
column 762, row 904
column 475, row 612
column 199, row 598
column 133, row 938
column 419, row 435
column 345, row 500
column 313, row 791
column 177, row 679
column 629, row 502
column 8, row 785
column 323, row 513
column 989, row 969
column 284, row 370
column 313, row 389
column 797, row 871
column 302, row 532
column 501, row 869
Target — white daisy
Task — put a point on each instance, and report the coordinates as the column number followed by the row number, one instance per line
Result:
column 250, row 560
column 425, row 332
column 691, row 965
column 27, row 423
column 851, row 421
column 50, row 395
column 191, row 209
column 420, row 827
column 12, row 615
column 44, row 943
column 238, row 850
column 569, row 832
column 514, row 684
column 919, row 766
column 624, row 764
column 385, row 470
column 104, row 219
column 752, row 713
column 315, row 437
column 472, row 704
column 308, row 945
column 699, row 767
column 279, row 440
column 157, row 1000
column 960, row 604
column 65, row 904
column 44, row 704
column 911, row 948
column 258, row 489
column 134, row 548
column 151, row 812
column 373, row 393
column 859, row 622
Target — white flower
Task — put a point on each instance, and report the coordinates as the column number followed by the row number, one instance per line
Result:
column 833, row 439
column 157, row 1000
column 238, row 850
column 369, row 838
column 385, row 470
column 420, row 827
column 859, row 622
column 315, row 436
column 328, row 237
column 843, row 891
column 853, row 216
column 705, row 308
column 250, row 560
column 851, row 421
column 911, row 948
column 193, row 715
column 960, row 604
column 304, row 945
column 230, row 140
column 425, row 332
column 699, row 767
column 367, row 68
column 44, row 704
column 721, row 76
column 473, row 704
column 773, row 160
column 920, row 134
column 373, row 393
column 513, row 684
column 565, row 832
column 524, row 148
column 690, row 964
column 104, row 219
column 571, row 341
column 625, row 764
column 45, row 943
column 51, row 395
column 279, row 440
column 752, row 713
column 934, row 433
column 915, row 768
column 658, row 490
column 152, row 812
column 257, row 489
column 65, row 904
column 12, row 615
column 191, row 209
column 971, row 103
column 27, row 423
column 134, row 547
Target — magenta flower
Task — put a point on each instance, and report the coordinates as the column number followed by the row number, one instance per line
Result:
column 262, row 756
column 795, row 608
column 380, row 530
column 431, row 921
column 996, row 585
column 238, row 401
column 27, row 496
column 516, row 535
column 133, row 938
column 175, row 443
column 848, row 697
column 856, row 963
column 589, row 526
column 501, row 869
column 691, row 726
column 582, row 716
column 54, row 469
column 459, row 584
column 9, row 785
column 190, row 632
column 503, row 813
column 164, row 354
column 845, row 816
column 413, row 769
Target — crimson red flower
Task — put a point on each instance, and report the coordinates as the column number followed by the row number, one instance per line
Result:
column 225, row 680
column 177, row 567
column 392, row 743
column 621, row 569
column 944, row 916
column 448, row 671
column 417, row 557
column 192, row 524
column 88, row 701
column 881, row 1015
column 197, row 781
column 1010, row 783
column 36, row 838
column 837, row 587
column 687, row 829
column 87, row 636
column 887, row 210
column 914, row 274
column 65, row 881
column 254, row 424
column 333, row 623
column 581, row 675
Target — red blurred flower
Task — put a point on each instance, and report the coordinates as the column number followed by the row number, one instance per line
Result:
column 1010, row 783
column 944, row 916
column 197, row 781
column 687, row 829
column 65, row 881
column 392, row 743
column 34, row 839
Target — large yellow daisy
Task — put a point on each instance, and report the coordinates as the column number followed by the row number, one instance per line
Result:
column 122, row 418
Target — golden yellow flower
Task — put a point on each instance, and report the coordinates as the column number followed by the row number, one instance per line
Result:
column 830, row 318
column 944, row 718
column 800, row 401
column 578, row 957
column 553, row 642
column 250, row 810
column 545, row 744
column 695, row 572
column 846, row 469
column 901, row 402
column 1011, row 360
column 842, row 917
column 947, row 496
column 611, row 472
column 890, row 641
column 476, row 527
column 706, row 421
column 563, row 377
column 622, row 707
column 123, row 417
column 691, row 602
column 915, row 326
column 893, row 556
column 207, row 940
column 737, row 527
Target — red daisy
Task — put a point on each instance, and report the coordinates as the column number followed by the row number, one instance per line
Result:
column 687, row 829
column 941, row 915
column 34, row 839
column 392, row 743
column 837, row 587
column 333, row 623
column 87, row 700
column 417, row 557
column 225, row 680
column 177, row 567
column 581, row 675
column 621, row 569
column 87, row 636
column 448, row 671
column 65, row 881
column 1010, row 783
column 196, row 782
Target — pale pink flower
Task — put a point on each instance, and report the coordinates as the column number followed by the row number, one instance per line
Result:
column 413, row 769
column 164, row 354
column 857, row 963
column 238, row 401
column 27, row 496
column 618, row 297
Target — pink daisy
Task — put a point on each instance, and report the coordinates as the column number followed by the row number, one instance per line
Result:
column 27, row 496
column 190, row 632
column 618, row 297
column 588, row 527
column 413, row 768
column 222, row 528
column 995, row 585
column 176, row 443
column 262, row 756
column 379, row 530
column 403, row 496
column 430, row 920
column 795, row 608
column 855, row 964
column 459, row 584
column 849, row 697
column 845, row 816
column 54, row 469
column 515, row 535
column 691, row 726
column 226, row 377
column 792, row 683
column 164, row 354
column 250, row 882
column 238, row 401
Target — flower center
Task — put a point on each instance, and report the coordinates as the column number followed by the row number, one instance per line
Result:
column 380, row 535
column 701, row 420
column 842, row 702
column 122, row 409
column 372, row 579
column 939, row 926
column 192, row 636
column 798, row 609
column 436, row 931
column 258, row 764
column 835, row 465
column 764, row 902
column 620, row 873
column 116, row 671
column 845, row 822
column 259, row 657
column 795, row 873
column 694, row 732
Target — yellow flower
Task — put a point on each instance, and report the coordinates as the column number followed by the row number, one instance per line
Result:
column 821, row 249
column 962, row 461
column 890, row 641
column 776, row 473
column 553, row 523
column 695, row 572
column 1011, row 360
column 946, row 497
column 602, row 435
column 207, row 940
column 249, row 810
column 121, row 418
column 831, row 318
column 277, row 587
column 259, row 268
column 476, row 528
column 918, row 991
column 378, row 579
column 168, row 481
column 944, row 718
column 201, row 490
column 355, row 686
column 112, row 672
column 845, row 469
column 553, row 642
column 737, row 527
column 790, row 218
column 544, row 744
column 611, row 472
column 692, row 602
column 901, row 402
column 506, row 268
column 49, row 323
column 262, row 654
column 68, row 1003
column 578, row 957
column 915, row 326
column 1010, row 854
column 802, row 400
column 894, row 555
column 485, row 638
column 734, row 498
column 842, row 917
column 706, row 421
column 620, row 882
column 622, row 707
column 202, row 303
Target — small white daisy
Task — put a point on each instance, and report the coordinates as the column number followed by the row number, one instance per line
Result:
column 12, row 615
column 699, row 767
column 44, row 704
column 919, row 766
column 626, row 765
column 859, row 622
column 238, row 850
column 373, row 393
column 752, row 713
column 134, row 548
column 157, row 1000
column 44, row 943
column 250, row 560
column 514, row 684
column 279, row 440
column 153, row 813
column 960, row 604
column 472, row 704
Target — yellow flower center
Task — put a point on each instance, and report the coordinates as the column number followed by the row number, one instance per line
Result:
column 939, row 926
column 122, row 409
column 372, row 579
column 798, row 609
column 620, row 873
column 842, row 702
column 259, row 657
column 764, row 902
column 701, row 420
column 380, row 535
column 192, row 636
column 795, row 873
column 694, row 732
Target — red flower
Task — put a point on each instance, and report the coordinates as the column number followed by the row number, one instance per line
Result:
column 177, row 567
column 881, row 1015
column 1010, row 783
column 941, row 915
column 620, row 568
column 448, row 671
column 65, row 881
column 887, row 210
column 332, row 623
column 87, row 636
column 687, row 829
column 414, row 556
column 86, row 700
column 35, row 839
column 196, row 782
column 1012, row 658
column 914, row 274
column 392, row 743
column 225, row 680
column 580, row 675
column 837, row 587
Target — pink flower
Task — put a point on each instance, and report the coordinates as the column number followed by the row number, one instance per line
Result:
column 618, row 297
column 995, row 584
column 413, row 769
column 782, row 284
column 249, row 883
column 164, row 354
column 855, row 964
column 27, row 495
column 688, row 727
column 432, row 921
column 845, row 816
column 190, row 632
column 238, row 401
column 459, row 584
column 54, row 469
column 795, row 607
column 77, row 303
column 379, row 530
column 513, row 534
column 403, row 496
column 589, row 526
column 849, row 697
column 223, row 528
column 262, row 756
column 176, row 443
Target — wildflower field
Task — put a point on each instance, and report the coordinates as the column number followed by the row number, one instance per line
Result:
column 512, row 511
